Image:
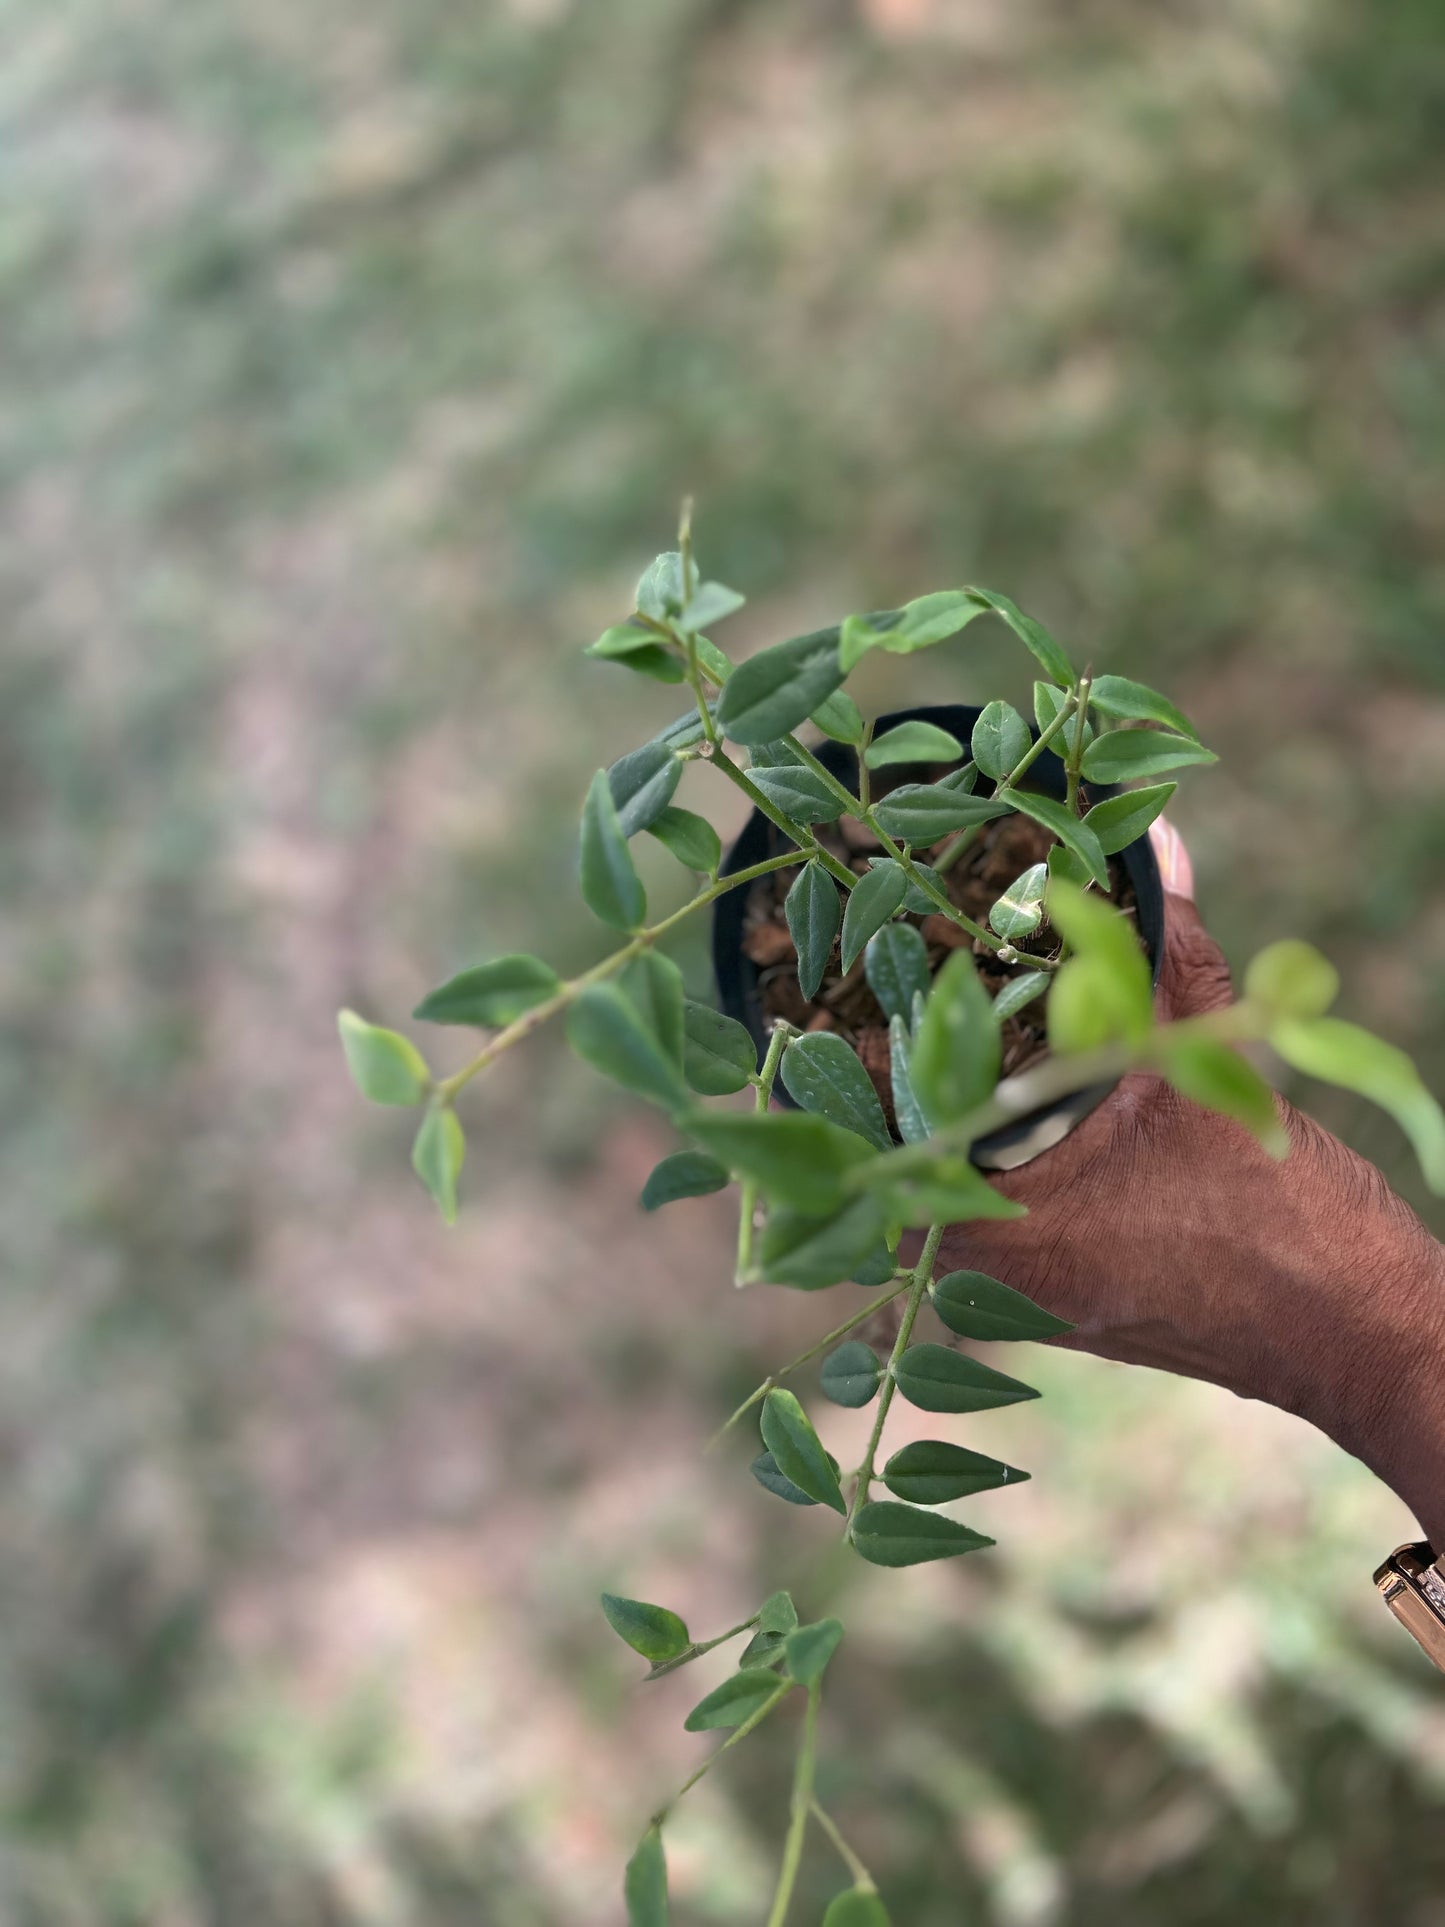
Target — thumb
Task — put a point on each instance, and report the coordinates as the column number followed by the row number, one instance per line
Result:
column 1195, row 977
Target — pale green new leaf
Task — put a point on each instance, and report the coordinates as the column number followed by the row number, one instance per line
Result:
column 385, row 1066
column 653, row 1631
column 637, row 649
column 840, row 717
column 661, row 591
column 1217, row 1077
column 1344, row 1054
column 711, row 602
column 1292, row 979
column 492, row 994
column 436, row 1157
column 796, row 1158
column 955, row 1059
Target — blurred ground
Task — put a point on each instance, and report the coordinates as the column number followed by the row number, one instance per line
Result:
column 353, row 363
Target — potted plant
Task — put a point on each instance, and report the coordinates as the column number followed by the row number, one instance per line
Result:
column 936, row 942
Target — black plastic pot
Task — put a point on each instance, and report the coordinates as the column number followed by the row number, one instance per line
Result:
column 737, row 975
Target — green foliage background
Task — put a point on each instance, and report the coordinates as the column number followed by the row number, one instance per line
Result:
column 353, row 362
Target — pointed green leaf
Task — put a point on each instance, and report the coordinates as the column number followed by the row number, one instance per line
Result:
column 852, row 1374
column 888, row 1534
column 797, row 1450
column 912, row 1124
column 661, row 592
column 711, row 659
column 896, row 965
column 823, row 1075
column 1135, row 702
column 840, row 717
column 606, row 1031
column 436, row 1157
column 637, row 649
column 1072, row 833
column 800, row 794
column 642, row 785
column 764, row 1469
column 653, row 1631
column 774, row 691
column 811, row 1252
column 815, row 915
column 880, row 1266
column 858, row 1907
column 736, row 1700
column 491, row 995
column 915, row 900
column 686, row 1174
column 1121, row 755
column 611, row 887
column 962, row 781
column 929, row 1472
column 977, row 1306
column 1019, row 993
column 948, row 1190
column 1033, row 635
column 809, row 1648
column 644, row 1884
column 955, row 1059
column 1048, row 701
column 1121, row 820
column 718, row 1054
column 1073, row 869
column 1000, row 740
column 913, row 742
column 1292, row 979
column 796, row 1158
column 777, row 1614
column 1344, row 1054
column 1105, row 991
column 927, row 620
column 691, row 839
column 876, row 897
column 920, row 813
column 763, row 1649
column 653, row 985
column 711, row 602
column 939, row 1380
column 1020, row 910
column 385, row 1066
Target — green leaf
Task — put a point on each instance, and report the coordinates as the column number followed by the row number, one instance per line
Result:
column 919, row 624
column 642, row 785
column 1048, row 701
column 809, row 1648
column 920, row 813
column 1019, row 993
column 977, row 1306
column 736, row 1700
column 915, row 899
column 490, row 994
column 653, row 985
column 637, row 649
column 436, row 1157
column 1135, row 702
column 912, row 1124
column 1211, row 1074
column 962, row 781
column 711, row 659
column 1072, row 869
column 888, row 1534
column 1000, row 740
column 763, row 1649
column 777, row 1614
column 929, row 1472
column 384, row 1065
column 1124, row 754
column 777, row 753
column 607, row 1032
column 611, row 887
column 858, row 1907
column 815, row 916
column 661, row 592
column 823, row 1075
column 955, row 1058
column 644, row 1884
column 939, row 1380
column 1292, row 979
column 913, row 742
column 840, row 717
column 798, row 1451
column 686, row 1174
column 653, row 1631
column 718, row 1053
column 1121, row 820
column 852, row 1374
column 1020, row 910
column 774, row 691
column 800, row 794
column 795, row 1157
column 1068, row 829
column 1343, row 1054
column 691, row 839
column 948, row 1189
column 764, row 1469
column 1105, row 991
column 711, row 602
column 878, row 1267
column 875, row 898
column 811, row 1252
column 896, row 965
column 1033, row 635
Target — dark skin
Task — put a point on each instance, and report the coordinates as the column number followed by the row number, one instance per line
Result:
column 1168, row 1237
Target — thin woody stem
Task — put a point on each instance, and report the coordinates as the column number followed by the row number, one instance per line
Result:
column 749, row 1725
column 700, row 1647
column 748, row 1189
column 801, row 836
column 862, row 1879
column 1074, row 763
column 917, row 1285
column 803, row 1776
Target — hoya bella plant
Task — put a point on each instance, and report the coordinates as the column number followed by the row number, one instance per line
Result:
column 946, row 941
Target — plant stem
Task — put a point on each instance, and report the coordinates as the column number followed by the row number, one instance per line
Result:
column 838, row 1331
column 803, row 1776
column 917, row 1286
column 1075, row 758
column 533, row 1019
column 960, row 843
column 862, row 1879
column 749, row 1725
column 802, row 837
column 699, row 1647
column 864, row 773
column 748, row 1190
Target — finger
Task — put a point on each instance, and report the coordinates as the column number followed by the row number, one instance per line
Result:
column 1176, row 872
column 1195, row 976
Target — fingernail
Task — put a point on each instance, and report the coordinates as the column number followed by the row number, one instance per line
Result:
column 1176, row 872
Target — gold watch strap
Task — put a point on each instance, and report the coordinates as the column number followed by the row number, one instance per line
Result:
column 1412, row 1584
